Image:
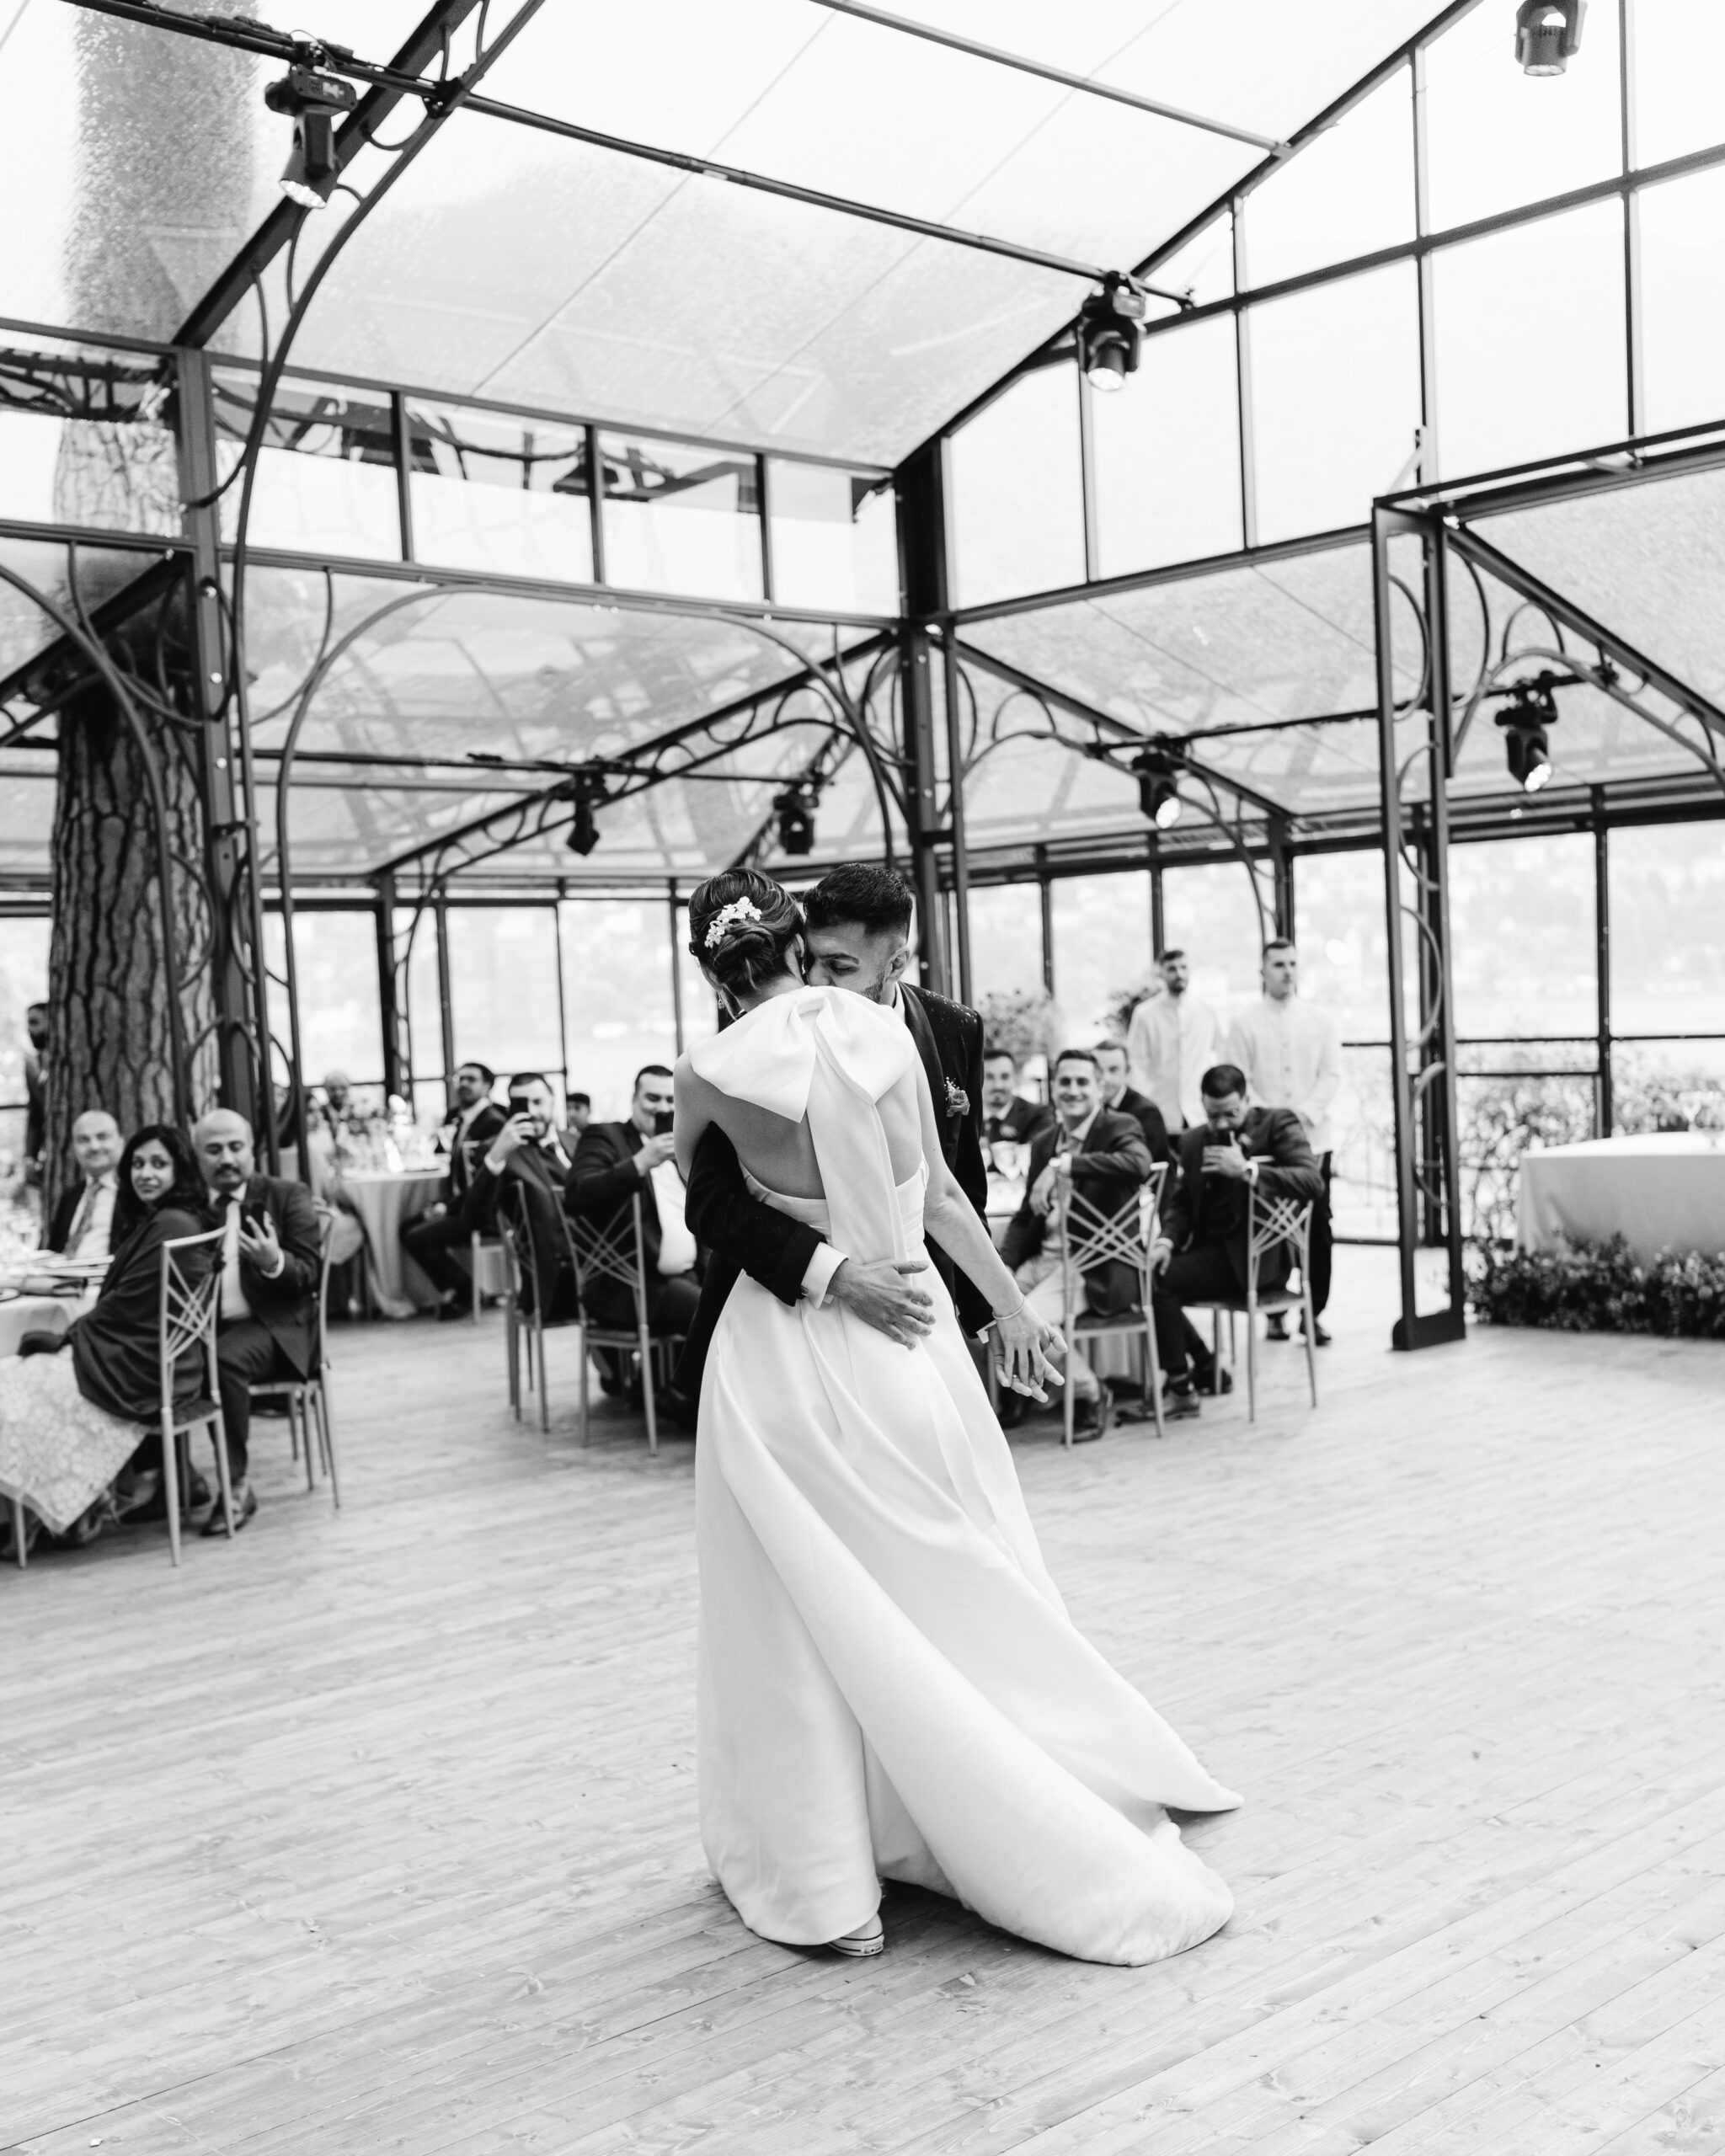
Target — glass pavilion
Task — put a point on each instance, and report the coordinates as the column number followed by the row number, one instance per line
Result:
column 676, row 408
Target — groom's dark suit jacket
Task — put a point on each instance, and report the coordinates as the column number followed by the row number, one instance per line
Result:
column 745, row 1235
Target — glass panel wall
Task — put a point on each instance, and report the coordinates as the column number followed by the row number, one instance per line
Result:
column 1101, row 950
column 24, row 981
column 1338, row 920
column 326, row 472
column 680, row 519
column 508, row 495
column 835, row 539
column 1680, row 63
column 616, row 971
column 1005, row 940
column 504, row 988
column 1167, row 454
column 341, row 1020
column 424, row 1014
column 1667, row 929
column 1017, row 505
column 1683, row 297
column 1210, row 914
column 1349, row 194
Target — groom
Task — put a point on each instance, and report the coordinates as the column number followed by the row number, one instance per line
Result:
column 859, row 938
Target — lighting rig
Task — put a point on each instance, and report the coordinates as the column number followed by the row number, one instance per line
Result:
column 1110, row 332
column 1548, row 34
column 1527, row 720
column 313, row 98
column 583, row 832
column 1158, row 792
column 795, row 810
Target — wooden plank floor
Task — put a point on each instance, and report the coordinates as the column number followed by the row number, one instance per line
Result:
column 376, row 1833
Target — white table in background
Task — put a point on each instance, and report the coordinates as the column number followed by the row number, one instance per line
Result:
column 1665, row 1191
column 382, row 1198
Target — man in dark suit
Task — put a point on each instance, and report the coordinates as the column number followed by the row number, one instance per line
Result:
column 1201, row 1252
column 1103, row 1157
column 859, row 938
column 1006, row 1115
column 83, row 1214
column 527, row 1165
column 271, row 1255
column 1122, row 1097
column 616, row 1162
column 437, row 1240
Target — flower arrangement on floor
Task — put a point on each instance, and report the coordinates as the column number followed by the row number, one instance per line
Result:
column 1584, row 1287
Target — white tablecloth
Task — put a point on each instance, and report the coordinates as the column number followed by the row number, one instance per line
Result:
column 1663, row 1192
column 383, row 1201
column 23, row 1314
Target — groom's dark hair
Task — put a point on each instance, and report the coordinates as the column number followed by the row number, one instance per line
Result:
column 875, row 898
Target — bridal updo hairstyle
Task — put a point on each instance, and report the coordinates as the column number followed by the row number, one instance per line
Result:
column 749, row 952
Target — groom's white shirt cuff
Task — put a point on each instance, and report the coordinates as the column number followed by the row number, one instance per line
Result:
column 817, row 1278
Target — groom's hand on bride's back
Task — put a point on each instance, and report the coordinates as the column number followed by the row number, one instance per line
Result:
column 880, row 1292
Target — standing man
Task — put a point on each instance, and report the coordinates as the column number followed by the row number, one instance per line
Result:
column 1006, row 1115
column 438, row 1240
column 528, row 1161
column 1291, row 1054
column 859, row 938
column 1171, row 1043
column 1119, row 1094
column 615, row 1162
column 83, row 1217
column 1103, row 1155
column 271, row 1255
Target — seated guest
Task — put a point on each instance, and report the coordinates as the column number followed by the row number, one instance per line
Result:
column 69, row 1421
column 1200, row 1255
column 334, row 1112
column 1006, row 1114
column 1118, row 1093
column 1104, row 1157
column 613, row 1161
column 580, row 1111
column 437, row 1240
column 527, row 1164
column 80, row 1223
column 271, row 1255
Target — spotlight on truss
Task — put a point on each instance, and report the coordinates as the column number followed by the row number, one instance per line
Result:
column 313, row 98
column 1526, row 721
column 1548, row 34
column 583, row 832
column 1109, row 337
column 1158, row 793
column 795, row 810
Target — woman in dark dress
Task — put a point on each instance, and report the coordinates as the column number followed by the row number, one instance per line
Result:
column 70, row 1422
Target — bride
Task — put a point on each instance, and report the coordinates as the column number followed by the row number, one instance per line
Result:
column 889, row 1686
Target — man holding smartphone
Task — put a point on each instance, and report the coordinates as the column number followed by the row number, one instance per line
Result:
column 528, row 1159
column 614, row 1163
column 1200, row 1256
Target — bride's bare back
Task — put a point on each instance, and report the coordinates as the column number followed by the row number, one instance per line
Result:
column 780, row 1154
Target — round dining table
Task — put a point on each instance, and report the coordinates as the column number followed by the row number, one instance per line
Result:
column 382, row 1199
column 1662, row 1190
column 41, row 1292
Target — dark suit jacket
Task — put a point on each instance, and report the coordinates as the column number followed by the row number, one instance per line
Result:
column 285, row 1306
column 62, row 1218
column 742, row 1235
column 532, row 1178
column 1144, row 1112
column 1112, row 1162
column 113, row 1346
column 1207, row 1212
column 1022, row 1121
column 603, row 1180
column 464, row 1158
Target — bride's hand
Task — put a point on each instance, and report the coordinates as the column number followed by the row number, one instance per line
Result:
column 1025, row 1343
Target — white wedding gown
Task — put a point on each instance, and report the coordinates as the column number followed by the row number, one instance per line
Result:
column 889, row 1686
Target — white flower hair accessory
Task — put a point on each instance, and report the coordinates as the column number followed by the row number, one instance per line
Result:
column 727, row 917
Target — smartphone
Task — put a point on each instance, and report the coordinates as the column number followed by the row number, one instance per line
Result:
column 662, row 1123
column 521, row 1104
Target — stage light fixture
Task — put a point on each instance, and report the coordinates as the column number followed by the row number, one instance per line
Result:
column 583, row 832
column 1109, row 335
column 313, row 100
column 1548, row 34
column 1158, row 794
column 795, row 810
column 1526, row 721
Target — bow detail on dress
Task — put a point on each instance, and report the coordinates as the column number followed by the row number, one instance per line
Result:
column 768, row 1056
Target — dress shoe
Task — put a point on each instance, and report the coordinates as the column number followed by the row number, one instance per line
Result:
column 452, row 1308
column 1093, row 1418
column 1180, row 1403
column 245, row 1504
column 1320, row 1338
column 1277, row 1329
column 1012, row 1409
column 866, row 1938
column 1214, row 1381
column 676, row 1407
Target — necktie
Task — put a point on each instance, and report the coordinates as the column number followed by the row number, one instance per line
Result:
column 81, row 1220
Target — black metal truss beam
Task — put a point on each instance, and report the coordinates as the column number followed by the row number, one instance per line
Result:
column 999, row 58
column 1117, row 729
column 389, row 88
column 1507, row 570
column 36, row 677
column 1630, row 462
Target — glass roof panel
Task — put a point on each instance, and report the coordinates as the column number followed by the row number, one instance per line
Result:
column 1348, row 192
column 1612, row 554
column 1269, row 640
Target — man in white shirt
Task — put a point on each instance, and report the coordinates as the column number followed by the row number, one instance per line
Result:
column 1170, row 1043
column 83, row 1218
column 1291, row 1054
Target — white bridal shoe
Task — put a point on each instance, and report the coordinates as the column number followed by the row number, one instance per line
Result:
column 869, row 1938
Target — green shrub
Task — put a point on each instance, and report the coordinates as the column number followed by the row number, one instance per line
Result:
column 1582, row 1287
